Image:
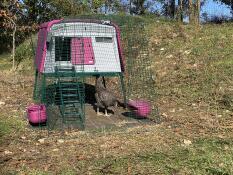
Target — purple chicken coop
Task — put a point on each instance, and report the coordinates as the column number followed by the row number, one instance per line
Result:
column 67, row 52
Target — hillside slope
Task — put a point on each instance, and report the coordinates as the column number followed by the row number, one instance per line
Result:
column 193, row 69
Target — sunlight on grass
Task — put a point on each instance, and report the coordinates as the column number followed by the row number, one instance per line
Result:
column 10, row 124
column 227, row 62
column 205, row 156
column 5, row 61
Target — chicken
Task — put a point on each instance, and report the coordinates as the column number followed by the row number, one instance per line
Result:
column 104, row 97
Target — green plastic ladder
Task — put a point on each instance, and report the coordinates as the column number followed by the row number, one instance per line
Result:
column 71, row 91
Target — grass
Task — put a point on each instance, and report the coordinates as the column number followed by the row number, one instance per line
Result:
column 199, row 60
column 5, row 63
column 23, row 57
column 205, row 156
column 194, row 72
column 9, row 125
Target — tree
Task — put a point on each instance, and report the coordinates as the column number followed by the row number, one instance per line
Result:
column 111, row 6
column 172, row 8
column 169, row 8
column 96, row 5
column 194, row 11
column 197, row 11
column 227, row 2
column 180, row 11
column 14, row 26
column 39, row 11
column 190, row 11
column 9, row 15
column 137, row 7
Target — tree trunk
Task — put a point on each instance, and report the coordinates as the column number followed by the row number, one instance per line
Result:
column 130, row 7
column 197, row 10
column 106, row 7
column 173, row 8
column 170, row 8
column 190, row 11
column 13, row 47
column 180, row 10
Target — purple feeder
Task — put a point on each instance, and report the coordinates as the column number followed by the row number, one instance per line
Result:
column 141, row 108
column 36, row 114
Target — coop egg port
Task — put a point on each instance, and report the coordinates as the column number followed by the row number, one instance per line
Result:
column 67, row 52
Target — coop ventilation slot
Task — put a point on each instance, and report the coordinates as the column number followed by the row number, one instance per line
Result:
column 103, row 39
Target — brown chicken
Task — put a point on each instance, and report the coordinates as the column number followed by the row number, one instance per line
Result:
column 104, row 97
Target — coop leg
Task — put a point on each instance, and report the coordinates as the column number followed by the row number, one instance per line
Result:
column 43, row 88
column 35, row 93
column 123, row 90
column 104, row 82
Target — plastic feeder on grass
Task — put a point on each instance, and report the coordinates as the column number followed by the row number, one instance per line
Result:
column 140, row 108
column 36, row 114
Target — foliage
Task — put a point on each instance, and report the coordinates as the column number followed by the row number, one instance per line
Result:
column 9, row 124
column 227, row 2
column 193, row 69
column 24, row 51
column 97, row 4
column 12, row 17
column 137, row 7
column 8, row 19
column 27, row 14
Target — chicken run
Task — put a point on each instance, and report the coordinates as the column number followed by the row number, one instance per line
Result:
column 86, row 69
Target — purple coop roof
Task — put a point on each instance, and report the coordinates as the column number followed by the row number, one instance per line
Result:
column 45, row 28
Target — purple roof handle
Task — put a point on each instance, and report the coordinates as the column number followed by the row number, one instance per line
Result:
column 41, row 44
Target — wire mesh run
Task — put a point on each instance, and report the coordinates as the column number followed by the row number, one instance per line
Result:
column 77, row 51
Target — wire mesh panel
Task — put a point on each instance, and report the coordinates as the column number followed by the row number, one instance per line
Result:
column 64, row 101
column 79, row 51
column 141, row 89
column 139, row 80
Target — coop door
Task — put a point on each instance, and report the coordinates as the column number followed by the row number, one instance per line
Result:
column 62, row 49
column 82, row 51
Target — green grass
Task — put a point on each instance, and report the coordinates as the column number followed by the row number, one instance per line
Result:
column 225, row 62
column 5, row 61
column 9, row 125
column 203, row 157
column 23, row 56
column 25, row 51
column 201, row 60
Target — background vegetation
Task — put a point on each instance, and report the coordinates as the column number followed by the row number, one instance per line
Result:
column 193, row 68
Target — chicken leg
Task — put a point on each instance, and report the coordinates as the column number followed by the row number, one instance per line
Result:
column 106, row 113
column 98, row 111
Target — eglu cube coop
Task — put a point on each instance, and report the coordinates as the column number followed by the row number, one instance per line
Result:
column 68, row 51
